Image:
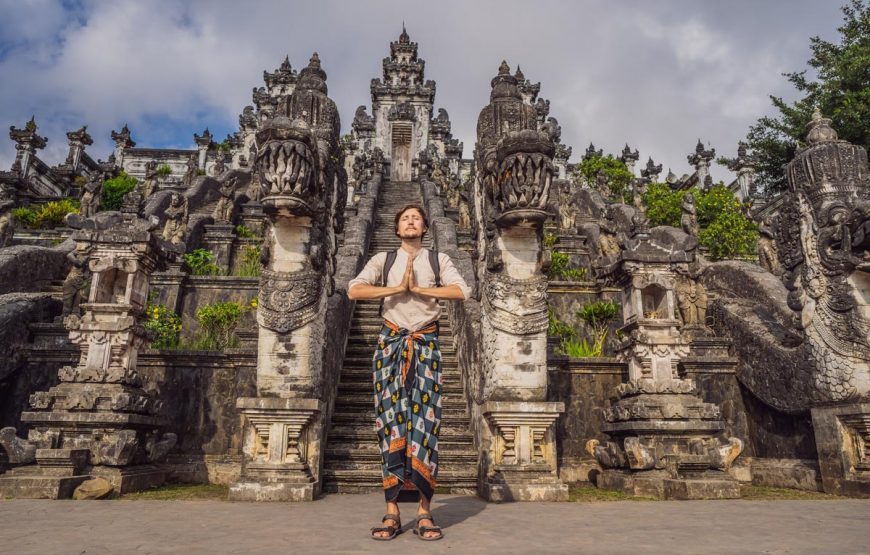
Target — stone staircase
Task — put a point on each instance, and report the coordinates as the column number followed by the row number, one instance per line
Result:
column 352, row 458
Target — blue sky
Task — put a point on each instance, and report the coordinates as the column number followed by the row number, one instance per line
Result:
column 658, row 75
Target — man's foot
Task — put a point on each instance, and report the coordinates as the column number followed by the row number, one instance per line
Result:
column 426, row 528
column 390, row 529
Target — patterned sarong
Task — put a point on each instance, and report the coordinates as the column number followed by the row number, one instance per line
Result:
column 406, row 371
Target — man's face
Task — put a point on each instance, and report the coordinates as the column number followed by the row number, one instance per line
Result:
column 411, row 224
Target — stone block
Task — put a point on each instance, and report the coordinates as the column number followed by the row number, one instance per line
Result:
column 95, row 488
column 786, row 473
column 843, row 444
column 245, row 490
column 701, row 488
column 129, row 479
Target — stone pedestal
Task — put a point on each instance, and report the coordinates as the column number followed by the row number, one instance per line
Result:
column 523, row 452
column 276, row 443
column 843, row 445
column 219, row 239
column 57, row 474
column 167, row 285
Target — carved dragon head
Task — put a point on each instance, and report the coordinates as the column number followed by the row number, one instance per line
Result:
column 514, row 158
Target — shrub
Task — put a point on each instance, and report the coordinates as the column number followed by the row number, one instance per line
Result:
column 165, row 326
column 558, row 328
column 164, row 170
column 575, row 348
column 245, row 232
column 217, row 325
column 51, row 214
column 559, row 268
column 730, row 234
column 549, row 240
column 201, row 263
column 663, row 204
column 598, row 316
column 618, row 176
column 24, row 216
column 249, row 265
column 114, row 190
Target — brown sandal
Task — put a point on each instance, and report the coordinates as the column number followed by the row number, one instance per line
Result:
column 421, row 531
column 393, row 529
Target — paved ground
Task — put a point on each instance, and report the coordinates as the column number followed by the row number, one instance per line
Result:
column 339, row 524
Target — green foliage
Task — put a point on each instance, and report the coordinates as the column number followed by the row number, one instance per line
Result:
column 249, row 265
column 558, row 328
column 217, row 325
column 841, row 91
column 599, row 314
column 725, row 229
column 200, row 172
column 575, row 348
column 164, row 170
column 80, row 180
column 549, row 240
column 618, row 176
column 663, row 204
column 559, row 268
column 45, row 216
column 245, row 232
column 24, row 216
column 114, row 190
column 224, row 146
column 164, row 324
column 201, row 263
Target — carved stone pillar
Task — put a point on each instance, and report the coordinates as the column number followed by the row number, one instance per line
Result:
column 303, row 189
column 516, row 163
column 219, row 239
column 666, row 439
column 101, row 419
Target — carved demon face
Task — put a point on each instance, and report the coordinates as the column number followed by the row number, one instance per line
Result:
column 288, row 167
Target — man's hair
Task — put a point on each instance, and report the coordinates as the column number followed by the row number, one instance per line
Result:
column 404, row 209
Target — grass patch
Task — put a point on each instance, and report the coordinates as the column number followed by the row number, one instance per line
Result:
column 182, row 492
column 764, row 493
column 587, row 493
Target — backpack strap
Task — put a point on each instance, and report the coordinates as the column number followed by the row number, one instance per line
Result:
column 388, row 263
column 436, row 267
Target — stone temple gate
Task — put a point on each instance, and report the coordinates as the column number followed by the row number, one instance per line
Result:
column 702, row 374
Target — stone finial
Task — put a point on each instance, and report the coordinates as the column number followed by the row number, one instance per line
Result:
column 314, row 61
column 404, row 38
column 519, row 74
column 629, row 156
column 285, row 65
column 504, row 68
column 820, row 130
column 701, row 156
column 28, row 136
column 592, row 153
column 123, row 138
column 203, row 140
column 652, row 170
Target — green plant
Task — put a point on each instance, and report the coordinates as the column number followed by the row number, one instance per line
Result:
column 50, row 214
column 559, row 268
column 164, row 324
column 80, row 180
column 575, row 348
column 558, row 328
column 24, row 216
column 598, row 316
column 200, row 172
column 549, row 240
column 114, row 190
column 217, row 325
column 249, row 265
column 201, row 263
column 224, row 146
column 245, row 232
column 841, row 91
column 618, row 176
column 164, row 170
column 663, row 204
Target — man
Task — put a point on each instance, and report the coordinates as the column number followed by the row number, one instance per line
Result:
column 406, row 366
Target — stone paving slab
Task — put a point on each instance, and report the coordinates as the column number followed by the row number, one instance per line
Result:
column 340, row 523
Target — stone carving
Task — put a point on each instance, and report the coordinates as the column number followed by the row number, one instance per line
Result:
column 18, row 451
column 362, row 121
column 175, row 227
column 220, row 165
column 91, row 195
column 692, row 300
column 75, row 282
column 7, row 223
column 288, row 301
column 567, row 208
column 689, row 217
column 516, row 306
column 223, row 211
column 191, row 171
column 149, row 184
column 768, row 255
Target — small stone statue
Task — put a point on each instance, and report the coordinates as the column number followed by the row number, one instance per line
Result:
column 91, row 196
column 223, row 212
column 689, row 219
column 176, row 220
column 132, row 202
column 7, row 223
column 220, row 165
column 608, row 244
column 255, row 190
column 692, row 300
column 602, row 185
column 464, row 222
column 768, row 255
column 149, row 185
column 190, row 173
column 567, row 208
column 74, row 283
column 638, row 188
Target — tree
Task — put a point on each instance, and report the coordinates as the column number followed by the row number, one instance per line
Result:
column 841, row 91
column 617, row 175
column 114, row 190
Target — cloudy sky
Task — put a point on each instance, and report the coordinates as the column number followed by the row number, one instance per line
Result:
column 658, row 75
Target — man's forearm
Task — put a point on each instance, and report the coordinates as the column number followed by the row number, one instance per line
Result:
column 447, row 293
column 364, row 292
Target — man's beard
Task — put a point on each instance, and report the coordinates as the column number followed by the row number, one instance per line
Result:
column 411, row 234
